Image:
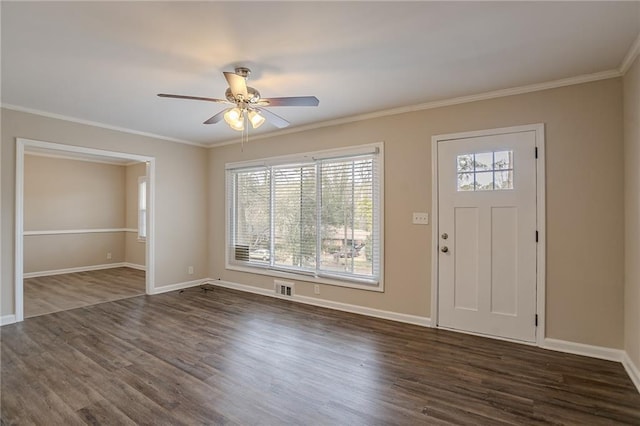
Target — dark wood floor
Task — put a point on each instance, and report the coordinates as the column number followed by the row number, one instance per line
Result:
column 44, row 295
column 225, row 357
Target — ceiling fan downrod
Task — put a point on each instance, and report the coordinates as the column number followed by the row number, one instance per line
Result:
column 243, row 72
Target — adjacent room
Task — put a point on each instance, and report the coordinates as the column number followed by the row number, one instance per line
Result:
column 81, row 215
column 320, row 213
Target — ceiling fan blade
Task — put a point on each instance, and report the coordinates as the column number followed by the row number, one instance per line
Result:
column 216, row 118
column 193, row 98
column 274, row 119
column 292, row 101
column 237, row 84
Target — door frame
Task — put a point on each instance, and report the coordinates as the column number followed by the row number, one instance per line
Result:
column 538, row 130
column 21, row 145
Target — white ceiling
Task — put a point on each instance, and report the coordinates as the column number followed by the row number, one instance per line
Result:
column 105, row 62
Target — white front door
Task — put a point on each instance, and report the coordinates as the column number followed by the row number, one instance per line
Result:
column 487, row 235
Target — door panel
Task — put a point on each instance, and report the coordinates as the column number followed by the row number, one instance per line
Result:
column 466, row 254
column 487, row 209
column 504, row 252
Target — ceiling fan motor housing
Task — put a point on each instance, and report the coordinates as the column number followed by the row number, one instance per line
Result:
column 253, row 96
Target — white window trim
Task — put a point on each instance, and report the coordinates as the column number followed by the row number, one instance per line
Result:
column 143, row 179
column 304, row 158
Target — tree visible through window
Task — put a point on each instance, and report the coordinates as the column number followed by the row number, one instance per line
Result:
column 485, row 171
column 319, row 217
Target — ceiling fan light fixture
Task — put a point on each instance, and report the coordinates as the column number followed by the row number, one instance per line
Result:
column 234, row 119
column 256, row 119
column 232, row 115
column 239, row 126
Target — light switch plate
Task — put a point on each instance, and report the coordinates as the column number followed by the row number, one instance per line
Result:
column 420, row 218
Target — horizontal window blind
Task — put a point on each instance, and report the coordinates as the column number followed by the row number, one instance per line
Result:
column 294, row 218
column 318, row 217
column 251, row 206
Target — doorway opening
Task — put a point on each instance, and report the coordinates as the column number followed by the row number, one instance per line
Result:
column 64, row 242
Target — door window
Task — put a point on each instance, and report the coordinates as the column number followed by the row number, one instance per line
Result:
column 485, row 171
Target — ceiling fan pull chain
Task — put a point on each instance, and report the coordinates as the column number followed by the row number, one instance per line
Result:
column 245, row 129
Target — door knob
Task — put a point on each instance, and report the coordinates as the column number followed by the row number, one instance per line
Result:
column 445, row 236
column 444, row 249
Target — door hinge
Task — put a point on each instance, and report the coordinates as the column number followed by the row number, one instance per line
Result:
column 536, row 151
column 536, row 320
column 536, row 236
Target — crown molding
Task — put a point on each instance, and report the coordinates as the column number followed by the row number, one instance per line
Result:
column 96, row 124
column 631, row 55
column 579, row 79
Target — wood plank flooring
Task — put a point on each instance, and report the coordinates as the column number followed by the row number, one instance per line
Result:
column 226, row 357
column 44, row 295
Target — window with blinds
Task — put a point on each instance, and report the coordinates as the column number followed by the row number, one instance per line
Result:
column 317, row 215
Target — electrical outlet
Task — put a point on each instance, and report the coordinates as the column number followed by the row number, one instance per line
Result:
column 190, row 270
column 316, row 289
column 421, row 218
column 109, row 256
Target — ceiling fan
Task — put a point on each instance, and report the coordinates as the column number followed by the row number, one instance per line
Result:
column 249, row 106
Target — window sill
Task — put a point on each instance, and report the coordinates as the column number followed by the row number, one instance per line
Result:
column 379, row 287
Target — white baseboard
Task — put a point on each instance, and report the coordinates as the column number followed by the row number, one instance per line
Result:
column 632, row 370
column 7, row 319
column 134, row 266
column 339, row 306
column 600, row 352
column 73, row 270
column 179, row 286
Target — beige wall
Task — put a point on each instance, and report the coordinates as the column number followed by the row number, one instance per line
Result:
column 181, row 184
column 632, row 210
column 64, row 194
column 134, row 249
column 584, row 156
column 54, row 252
